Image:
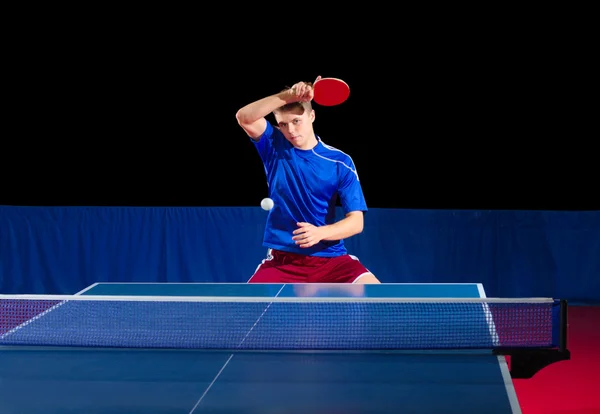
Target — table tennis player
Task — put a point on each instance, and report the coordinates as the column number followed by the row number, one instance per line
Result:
column 305, row 179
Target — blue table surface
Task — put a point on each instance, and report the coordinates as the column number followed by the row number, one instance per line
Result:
column 104, row 380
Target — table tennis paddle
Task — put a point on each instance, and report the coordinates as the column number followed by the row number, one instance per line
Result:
column 330, row 91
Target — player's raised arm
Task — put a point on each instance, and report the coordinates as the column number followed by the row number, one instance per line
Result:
column 252, row 116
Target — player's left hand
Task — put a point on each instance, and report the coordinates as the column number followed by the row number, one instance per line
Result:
column 307, row 235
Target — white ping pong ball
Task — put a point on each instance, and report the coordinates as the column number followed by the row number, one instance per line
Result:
column 266, row 204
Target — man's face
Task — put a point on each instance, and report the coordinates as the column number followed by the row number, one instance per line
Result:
column 297, row 127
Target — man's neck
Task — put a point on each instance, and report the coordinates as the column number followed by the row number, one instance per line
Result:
column 310, row 143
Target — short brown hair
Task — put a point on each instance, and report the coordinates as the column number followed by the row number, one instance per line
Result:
column 289, row 107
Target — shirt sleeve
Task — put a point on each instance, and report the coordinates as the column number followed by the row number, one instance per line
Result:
column 264, row 144
column 350, row 189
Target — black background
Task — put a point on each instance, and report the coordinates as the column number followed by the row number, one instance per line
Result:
column 133, row 115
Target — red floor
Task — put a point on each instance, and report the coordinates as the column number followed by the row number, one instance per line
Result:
column 569, row 386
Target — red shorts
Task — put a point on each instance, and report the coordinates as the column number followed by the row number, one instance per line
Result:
column 284, row 267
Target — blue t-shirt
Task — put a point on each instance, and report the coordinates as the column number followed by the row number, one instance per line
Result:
column 304, row 186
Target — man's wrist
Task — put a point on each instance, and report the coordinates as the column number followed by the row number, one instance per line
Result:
column 287, row 96
column 326, row 231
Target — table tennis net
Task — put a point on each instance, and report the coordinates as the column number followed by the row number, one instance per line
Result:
column 277, row 323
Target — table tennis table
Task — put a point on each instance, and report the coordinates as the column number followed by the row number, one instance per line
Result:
column 102, row 379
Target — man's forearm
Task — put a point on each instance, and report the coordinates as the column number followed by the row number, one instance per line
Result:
column 263, row 107
column 347, row 227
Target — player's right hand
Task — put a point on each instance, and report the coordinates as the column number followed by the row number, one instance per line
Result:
column 303, row 91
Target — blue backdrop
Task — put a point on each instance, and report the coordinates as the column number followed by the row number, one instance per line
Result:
column 513, row 253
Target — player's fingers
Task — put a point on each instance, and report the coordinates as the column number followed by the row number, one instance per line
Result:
column 301, row 236
column 308, row 243
column 304, row 92
column 298, row 89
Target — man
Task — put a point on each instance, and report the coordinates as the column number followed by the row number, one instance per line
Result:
column 305, row 178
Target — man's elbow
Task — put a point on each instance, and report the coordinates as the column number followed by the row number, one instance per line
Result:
column 240, row 117
column 358, row 222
